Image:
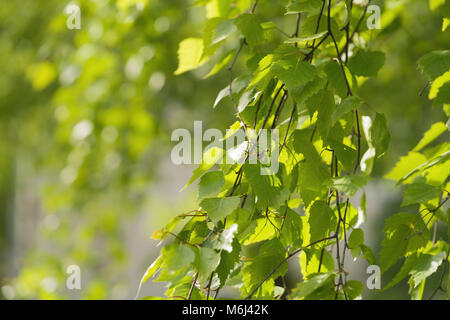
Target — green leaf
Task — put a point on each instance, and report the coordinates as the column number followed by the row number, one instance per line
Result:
column 225, row 92
column 438, row 84
column 336, row 78
column 246, row 98
column 270, row 255
column 366, row 63
column 425, row 266
column 420, row 193
column 405, row 165
column 152, row 269
column 368, row 254
column 398, row 239
column 262, row 230
column 303, row 145
column 443, row 96
column 228, row 261
column 356, row 238
column 210, row 184
column 266, row 187
column 222, row 63
column 190, row 53
column 416, row 292
column 432, row 134
column 345, row 154
column 311, row 258
column 206, row 261
column 208, row 36
column 435, row 63
column 321, row 220
column 306, row 38
column 313, row 173
column 348, row 104
column 434, row 162
column 303, row 6
column 176, row 256
column 294, row 73
column 409, row 263
column 152, row 298
column 223, row 30
column 349, row 184
column 263, row 70
column 377, row 132
column 210, row 157
column 291, row 228
column 353, row 289
column 219, row 208
column 250, row 28
column 323, row 103
column 312, row 284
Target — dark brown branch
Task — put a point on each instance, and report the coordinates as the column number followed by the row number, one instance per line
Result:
column 294, row 109
column 192, row 287
column 209, row 286
column 280, row 107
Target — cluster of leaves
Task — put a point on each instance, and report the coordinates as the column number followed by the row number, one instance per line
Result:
column 304, row 84
column 424, row 171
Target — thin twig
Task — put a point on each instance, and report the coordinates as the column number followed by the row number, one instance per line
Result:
column 192, row 287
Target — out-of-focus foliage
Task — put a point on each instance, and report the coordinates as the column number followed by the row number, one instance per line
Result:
column 86, row 116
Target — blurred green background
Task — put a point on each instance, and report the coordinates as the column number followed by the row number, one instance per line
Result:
column 86, row 117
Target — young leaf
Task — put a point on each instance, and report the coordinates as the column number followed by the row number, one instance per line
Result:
column 433, row 133
column 348, row 104
column 303, row 6
column 228, row 261
column 265, row 187
column 190, row 54
column 151, row 270
column 210, row 157
column 210, row 184
column 425, row 266
column 356, row 238
column 250, row 28
column 314, row 283
column 354, row 289
column 223, row 30
column 306, row 38
column 219, row 208
column 419, row 193
column 409, row 263
column 405, row 165
column 206, row 261
column 398, row 238
column 349, row 184
column 222, row 63
column 366, row 63
column 270, row 255
column 435, row 63
column 321, row 220
column 294, row 73
column 176, row 256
